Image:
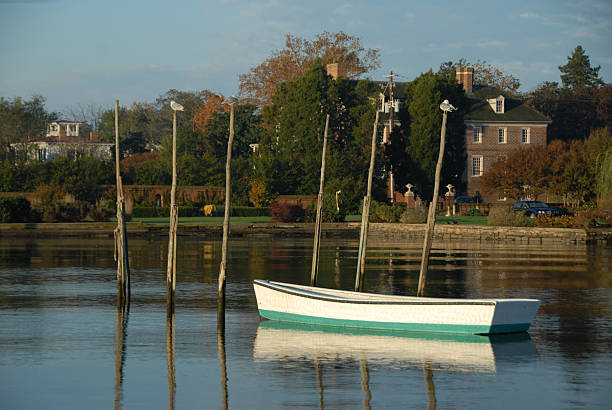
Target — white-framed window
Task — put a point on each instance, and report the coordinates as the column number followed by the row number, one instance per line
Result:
column 42, row 154
column 476, row 165
column 499, row 105
column 525, row 136
column 501, row 135
column 477, row 132
column 501, row 196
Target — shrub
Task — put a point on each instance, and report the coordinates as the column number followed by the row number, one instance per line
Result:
column 416, row 215
column 474, row 212
column 381, row 212
column 329, row 212
column 260, row 194
column 164, row 212
column 284, row 212
column 505, row 216
column 17, row 209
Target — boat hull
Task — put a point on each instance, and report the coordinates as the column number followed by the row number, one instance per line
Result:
column 320, row 306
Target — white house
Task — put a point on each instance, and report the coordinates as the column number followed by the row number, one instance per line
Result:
column 66, row 138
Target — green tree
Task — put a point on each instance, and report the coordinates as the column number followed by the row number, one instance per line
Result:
column 290, row 151
column 578, row 71
column 415, row 146
column 20, row 119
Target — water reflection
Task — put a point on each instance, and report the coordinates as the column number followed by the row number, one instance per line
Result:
column 284, row 341
column 170, row 355
column 221, row 349
column 123, row 312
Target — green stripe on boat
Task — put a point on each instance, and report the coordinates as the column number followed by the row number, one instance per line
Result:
column 421, row 327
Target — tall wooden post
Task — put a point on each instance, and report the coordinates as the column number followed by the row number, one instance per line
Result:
column 317, row 235
column 171, row 270
column 431, row 216
column 365, row 216
column 226, row 224
column 121, row 248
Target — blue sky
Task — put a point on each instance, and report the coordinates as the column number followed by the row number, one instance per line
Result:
column 77, row 52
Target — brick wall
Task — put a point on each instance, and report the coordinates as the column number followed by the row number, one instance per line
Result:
column 491, row 149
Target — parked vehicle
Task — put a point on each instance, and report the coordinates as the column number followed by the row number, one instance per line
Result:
column 535, row 208
column 464, row 199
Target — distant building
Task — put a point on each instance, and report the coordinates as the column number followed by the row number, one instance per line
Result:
column 495, row 124
column 65, row 138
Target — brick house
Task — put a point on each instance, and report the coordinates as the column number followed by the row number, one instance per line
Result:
column 495, row 124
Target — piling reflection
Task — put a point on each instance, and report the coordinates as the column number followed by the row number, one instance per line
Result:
column 221, row 349
column 123, row 311
column 170, row 355
column 283, row 341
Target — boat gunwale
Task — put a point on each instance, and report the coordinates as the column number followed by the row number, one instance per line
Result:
column 289, row 289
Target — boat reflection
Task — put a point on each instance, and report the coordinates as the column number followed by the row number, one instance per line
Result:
column 285, row 341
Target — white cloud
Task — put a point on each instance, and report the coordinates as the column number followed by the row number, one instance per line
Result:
column 529, row 16
column 492, row 43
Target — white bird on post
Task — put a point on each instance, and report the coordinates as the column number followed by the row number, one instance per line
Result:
column 446, row 106
column 176, row 106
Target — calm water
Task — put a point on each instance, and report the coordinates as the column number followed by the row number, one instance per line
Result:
column 64, row 344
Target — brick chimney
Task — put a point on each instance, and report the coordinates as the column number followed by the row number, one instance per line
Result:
column 332, row 69
column 465, row 77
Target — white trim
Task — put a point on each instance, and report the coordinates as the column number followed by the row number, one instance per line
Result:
column 477, row 172
column 527, row 140
column 503, row 138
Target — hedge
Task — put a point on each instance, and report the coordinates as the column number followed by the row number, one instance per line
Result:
column 192, row 211
column 17, row 209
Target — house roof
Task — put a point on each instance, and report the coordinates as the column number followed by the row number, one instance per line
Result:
column 514, row 109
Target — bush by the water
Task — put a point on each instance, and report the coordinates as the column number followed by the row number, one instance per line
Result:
column 17, row 209
column 416, row 215
column 505, row 216
column 381, row 212
column 329, row 212
column 284, row 212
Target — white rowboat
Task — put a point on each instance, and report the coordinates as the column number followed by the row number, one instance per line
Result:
column 321, row 306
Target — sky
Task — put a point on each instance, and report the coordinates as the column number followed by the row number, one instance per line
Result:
column 82, row 52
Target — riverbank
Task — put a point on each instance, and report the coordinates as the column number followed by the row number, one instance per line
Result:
column 347, row 230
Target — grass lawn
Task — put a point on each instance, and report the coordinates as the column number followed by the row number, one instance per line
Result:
column 460, row 220
column 202, row 219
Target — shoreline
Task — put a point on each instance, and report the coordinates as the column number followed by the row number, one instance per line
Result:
column 346, row 230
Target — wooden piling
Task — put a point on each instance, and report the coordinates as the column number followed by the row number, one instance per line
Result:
column 171, row 269
column 317, row 235
column 365, row 216
column 431, row 216
column 121, row 246
column 226, row 224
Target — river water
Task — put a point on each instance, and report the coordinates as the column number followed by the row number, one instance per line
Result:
column 64, row 344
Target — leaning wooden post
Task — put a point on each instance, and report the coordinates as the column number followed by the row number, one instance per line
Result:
column 431, row 216
column 226, row 226
column 317, row 235
column 365, row 216
column 121, row 249
column 171, row 270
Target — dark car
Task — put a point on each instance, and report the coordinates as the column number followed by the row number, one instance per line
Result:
column 464, row 199
column 534, row 208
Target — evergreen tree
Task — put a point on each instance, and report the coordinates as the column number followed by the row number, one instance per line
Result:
column 414, row 148
column 578, row 71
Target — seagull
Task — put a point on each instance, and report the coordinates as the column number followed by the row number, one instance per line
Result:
column 176, row 106
column 231, row 100
column 446, row 106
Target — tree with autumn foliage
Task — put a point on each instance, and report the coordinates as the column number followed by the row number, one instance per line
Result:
column 572, row 170
column 291, row 62
column 484, row 74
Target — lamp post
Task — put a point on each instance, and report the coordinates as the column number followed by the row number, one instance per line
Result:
column 231, row 101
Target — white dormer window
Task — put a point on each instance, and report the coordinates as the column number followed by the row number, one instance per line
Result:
column 497, row 104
